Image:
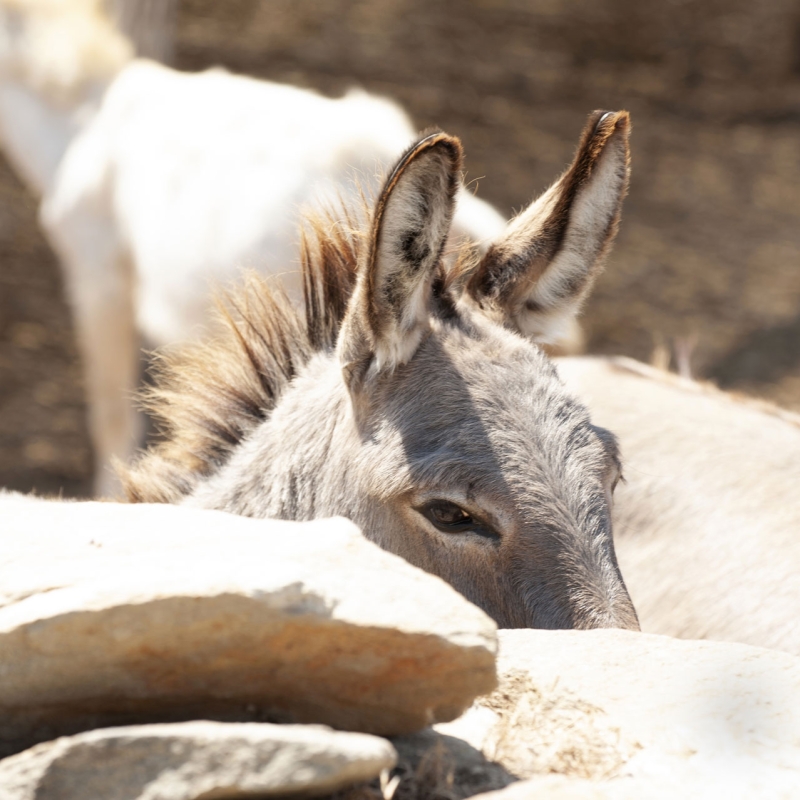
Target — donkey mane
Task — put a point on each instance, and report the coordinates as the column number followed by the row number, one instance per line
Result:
column 209, row 396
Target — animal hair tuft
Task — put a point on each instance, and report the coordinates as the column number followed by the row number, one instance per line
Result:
column 209, row 396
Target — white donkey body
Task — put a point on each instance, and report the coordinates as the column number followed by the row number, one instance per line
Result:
column 707, row 523
column 175, row 184
column 197, row 176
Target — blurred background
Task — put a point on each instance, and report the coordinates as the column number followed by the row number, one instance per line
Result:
column 707, row 263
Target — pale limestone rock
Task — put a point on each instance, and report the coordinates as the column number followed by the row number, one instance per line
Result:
column 193, row 760
column 113, row 614
column 625, row 714
column 562, row 787
column 559, row 787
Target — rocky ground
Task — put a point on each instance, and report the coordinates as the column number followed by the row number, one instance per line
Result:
column 144, row 655
column 709, row 248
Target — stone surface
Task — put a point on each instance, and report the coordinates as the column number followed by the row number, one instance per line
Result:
column 561, row 787
column 113, row 614
column 192, row 760
column 624, row 714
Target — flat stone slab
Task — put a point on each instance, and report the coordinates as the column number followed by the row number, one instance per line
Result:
column 665, row 787
column 113, row 614
column 559, row 787
column 624, row 714
column 194, row 760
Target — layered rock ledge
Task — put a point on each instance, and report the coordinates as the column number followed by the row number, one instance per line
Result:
column 114, row 615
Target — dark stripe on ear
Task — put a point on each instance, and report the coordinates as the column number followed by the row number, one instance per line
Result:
column 390, row 310
column 512, row 265
column 415, row 251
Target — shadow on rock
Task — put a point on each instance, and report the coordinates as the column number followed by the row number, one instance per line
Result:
column 431, row 766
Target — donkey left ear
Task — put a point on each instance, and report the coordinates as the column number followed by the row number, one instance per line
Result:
column 536, row 275
column 388, row 313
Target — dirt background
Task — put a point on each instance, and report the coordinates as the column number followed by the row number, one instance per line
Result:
column 709, row 250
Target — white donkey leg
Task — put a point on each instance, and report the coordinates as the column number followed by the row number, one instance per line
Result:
column 100, row 287
column 109, row 345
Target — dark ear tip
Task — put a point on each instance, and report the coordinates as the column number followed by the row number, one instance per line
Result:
column 439, row 140
column 604, row 123
column 445, row 148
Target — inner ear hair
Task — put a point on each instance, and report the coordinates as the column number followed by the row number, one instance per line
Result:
column 389, row 311
column 537, row 274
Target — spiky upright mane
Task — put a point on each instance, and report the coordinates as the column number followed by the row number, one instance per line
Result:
column 208, row 397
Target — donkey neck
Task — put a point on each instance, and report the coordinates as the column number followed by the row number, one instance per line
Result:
column 35, row 133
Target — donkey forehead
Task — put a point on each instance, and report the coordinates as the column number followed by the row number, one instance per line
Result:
column 474, row 395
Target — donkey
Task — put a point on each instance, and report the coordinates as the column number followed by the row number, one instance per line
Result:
column 707, row 524
column 406, row 400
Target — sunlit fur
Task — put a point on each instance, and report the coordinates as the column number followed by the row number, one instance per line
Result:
column 299, row 416
column 707, row 523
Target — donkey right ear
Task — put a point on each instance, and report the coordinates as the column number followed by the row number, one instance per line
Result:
column 388, row 313
column 535, row 276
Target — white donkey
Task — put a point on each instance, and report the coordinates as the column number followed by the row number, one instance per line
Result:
column 158, row 184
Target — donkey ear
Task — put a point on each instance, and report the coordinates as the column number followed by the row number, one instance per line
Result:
column 536, row 275
column 388, row 313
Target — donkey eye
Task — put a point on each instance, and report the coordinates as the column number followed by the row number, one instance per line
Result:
column 447, row 517
column 450, row 518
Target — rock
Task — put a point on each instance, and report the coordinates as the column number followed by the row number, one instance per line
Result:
column 617, row 712
column 559, row 787
column 113, row 614
column 192, row 760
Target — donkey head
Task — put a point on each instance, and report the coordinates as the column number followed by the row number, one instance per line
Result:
column 473, row 461
column 428, row 413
